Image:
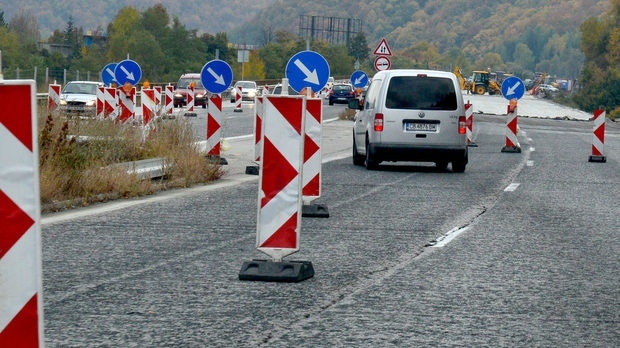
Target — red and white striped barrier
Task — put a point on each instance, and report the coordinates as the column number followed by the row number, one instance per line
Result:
column 100, row 103
column 598, row 138
column 312, row 149
column 238, row 99
column 280, row 178
column 127, row 104
column 53, row 98
column 169, row 100
column 214, row 128
column 512, row 142
column 110, row 102
column 21, row 308
column 469, row 123
column 157, row 100
column 190, row 99
column 148, row 105
column 258, row 128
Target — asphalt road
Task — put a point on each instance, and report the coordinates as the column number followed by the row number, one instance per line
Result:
column 521, row 250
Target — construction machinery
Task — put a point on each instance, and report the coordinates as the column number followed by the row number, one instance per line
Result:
column 479, row 83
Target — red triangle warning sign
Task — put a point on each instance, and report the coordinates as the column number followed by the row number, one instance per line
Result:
column 383, row 49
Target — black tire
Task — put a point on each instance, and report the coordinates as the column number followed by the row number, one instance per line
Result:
column 358, row 159
column 331, row 102
column 441, row 165
column 458, row 166
column 370, row 162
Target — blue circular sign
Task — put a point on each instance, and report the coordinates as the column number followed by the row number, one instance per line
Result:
column 216, row 76
column 307, row 69
column 127, row 71
column 513, row 88
column 107, row 74
column 359, row 79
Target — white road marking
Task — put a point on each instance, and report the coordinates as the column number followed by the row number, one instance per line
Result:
column 512, row 187
column 448, row 237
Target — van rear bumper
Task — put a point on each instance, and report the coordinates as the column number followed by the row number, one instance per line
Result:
column 408, row 152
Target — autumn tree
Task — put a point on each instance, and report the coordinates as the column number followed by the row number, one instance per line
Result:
column 600, row 76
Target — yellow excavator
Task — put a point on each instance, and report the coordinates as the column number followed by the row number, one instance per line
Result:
column 480, row 82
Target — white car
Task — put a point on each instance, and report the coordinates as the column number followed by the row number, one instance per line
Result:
column 79, row 97
column 411, row 115
column 248, row 90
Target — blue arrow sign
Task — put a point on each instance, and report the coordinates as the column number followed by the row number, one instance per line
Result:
column 307, row 69
column 107, row 74
column 513, row 88
column 359, row 79
column 127, row 71
column 216, row 76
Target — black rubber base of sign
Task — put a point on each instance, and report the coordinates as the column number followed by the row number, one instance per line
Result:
column 217, row 159
column 314, row 210
column 271, row 271
column 515, row 149
column 251, row 170
column 599, row 159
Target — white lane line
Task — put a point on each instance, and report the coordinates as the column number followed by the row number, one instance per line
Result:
column 529, row 163
column 512, row 187
column 448, row 237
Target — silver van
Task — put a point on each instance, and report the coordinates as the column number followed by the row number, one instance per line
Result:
column 411, row 115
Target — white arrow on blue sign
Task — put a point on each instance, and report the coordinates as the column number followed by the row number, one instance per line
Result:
column 307, row 69
column 216, row 76
column 127, row 71
column 359, row 79
column 107, row 74
column 513, row 88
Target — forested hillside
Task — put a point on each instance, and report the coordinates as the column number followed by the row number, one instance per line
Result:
column 533, row 35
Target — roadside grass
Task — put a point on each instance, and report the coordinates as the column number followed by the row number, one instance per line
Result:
column 78, row 159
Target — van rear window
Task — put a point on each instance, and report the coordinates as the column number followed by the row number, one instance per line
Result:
column 421, row 93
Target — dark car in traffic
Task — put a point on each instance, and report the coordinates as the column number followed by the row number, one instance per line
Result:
column 341, row 93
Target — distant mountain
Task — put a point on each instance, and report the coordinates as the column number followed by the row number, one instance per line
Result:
column 210, row 16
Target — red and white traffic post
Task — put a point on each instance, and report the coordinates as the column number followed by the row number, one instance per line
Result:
column 512, row 142
column 127, row 104
column 312, row 177
column 169, row 100
column 148, row 110
column 100, row 103
column 21, row 303
column 469, row 123
column 214, row 128
column 258, row 137
column 280, row 193
column 598, row 138
column 53, row 98
column 110, row 103
column 157, row 100
column 190, row 101
column 238, row 99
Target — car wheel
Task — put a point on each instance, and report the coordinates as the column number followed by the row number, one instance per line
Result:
column 458, row 166
column 204, row 106
column 441, row 165
column 331, row 102
column 358, row 159
column 370, row 162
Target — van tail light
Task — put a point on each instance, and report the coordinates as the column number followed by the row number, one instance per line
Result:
column 378, row 122
column 462, row 125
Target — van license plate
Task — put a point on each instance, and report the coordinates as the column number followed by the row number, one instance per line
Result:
column 421, row 127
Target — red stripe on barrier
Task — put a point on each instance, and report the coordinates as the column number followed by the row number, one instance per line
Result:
column 17, row 120
column 278, row 165
column 23, row 330
column 15, row 223
column 288, row 107
column 283, row 237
